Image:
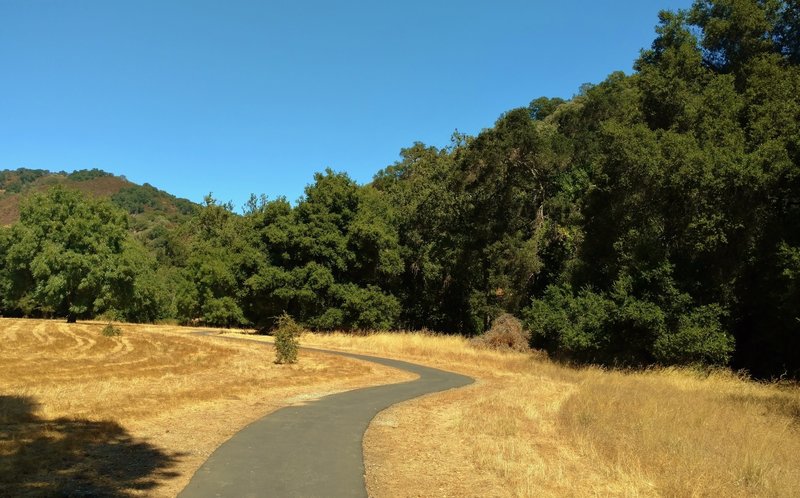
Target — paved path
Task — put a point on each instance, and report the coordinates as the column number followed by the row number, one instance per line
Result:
column 314, row 450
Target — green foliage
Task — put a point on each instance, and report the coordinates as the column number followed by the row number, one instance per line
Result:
column 208, row 273
column 185, row 206
column 568, row 324
column 135, row 199
column 652, row 218
column 331, row 261
column 543, row 107
column 111, row 331
column 366, row 308
column 698, row 338
column 223, row 312
column 83, row 175
column 286, row 335
column 619, row 329
column 64, row 255
column 14, row 181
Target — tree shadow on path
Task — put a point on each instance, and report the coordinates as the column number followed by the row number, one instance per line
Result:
column 73, row 457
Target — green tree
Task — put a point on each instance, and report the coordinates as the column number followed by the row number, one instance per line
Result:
column 419, row 188
column 331, row 262
column 209, row 288
column 64, row 256
column 688, row 212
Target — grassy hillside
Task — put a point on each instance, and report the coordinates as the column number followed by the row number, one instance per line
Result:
column 137, row 414
column 527, row 427
column 141, row 201
column 533, row 427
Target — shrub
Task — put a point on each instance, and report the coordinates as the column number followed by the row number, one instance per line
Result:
column 367, row 308
column 223, row 312
column 505, row 334
column 699, row 338
column 286, row 344
column 620, row 329
column 83, row 175
column 111, row 331
column 571, row 325
column 136, row 199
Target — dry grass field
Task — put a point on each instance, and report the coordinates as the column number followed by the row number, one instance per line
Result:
column 82, row 414
column 531, row 427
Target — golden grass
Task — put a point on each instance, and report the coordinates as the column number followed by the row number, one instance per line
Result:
column 136, row 415
column 693, row 434
column 531, row 427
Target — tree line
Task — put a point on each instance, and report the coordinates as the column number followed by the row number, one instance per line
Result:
column 653, row 218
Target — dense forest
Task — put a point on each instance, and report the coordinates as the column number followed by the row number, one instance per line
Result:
column 654, row 218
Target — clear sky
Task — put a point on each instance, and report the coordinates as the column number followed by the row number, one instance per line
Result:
column 234, row 97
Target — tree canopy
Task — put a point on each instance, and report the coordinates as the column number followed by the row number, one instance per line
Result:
column 69, row 256
column 653, row 218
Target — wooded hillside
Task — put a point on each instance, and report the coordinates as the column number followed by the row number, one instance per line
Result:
column 654, row 218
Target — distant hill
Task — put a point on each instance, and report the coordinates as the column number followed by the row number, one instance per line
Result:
column 139, row 200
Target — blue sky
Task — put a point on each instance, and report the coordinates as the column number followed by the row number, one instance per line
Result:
column 234, row 97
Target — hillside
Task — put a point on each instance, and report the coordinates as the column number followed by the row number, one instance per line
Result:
column 533, row 427
column 651, row 219
column 136, row 414
column 135, row 199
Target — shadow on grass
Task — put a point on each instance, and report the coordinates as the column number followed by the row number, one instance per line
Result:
column 784, row 404
column 73, row 457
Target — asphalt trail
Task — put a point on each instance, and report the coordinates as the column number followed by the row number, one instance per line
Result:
column 312, row 450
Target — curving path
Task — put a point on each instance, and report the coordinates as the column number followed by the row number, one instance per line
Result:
column 313, row 450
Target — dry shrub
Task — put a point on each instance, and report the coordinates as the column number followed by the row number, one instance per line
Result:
column 506, row 334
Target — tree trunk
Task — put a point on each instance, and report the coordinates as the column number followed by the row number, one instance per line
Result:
column 71, row 318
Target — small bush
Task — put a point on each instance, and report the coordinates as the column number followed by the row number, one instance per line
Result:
column 506, row 334
column 286, row 344
column 111, row 331
column 223, row 312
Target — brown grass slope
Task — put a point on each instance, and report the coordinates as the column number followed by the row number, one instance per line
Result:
column 531, row 427
column 82, row 414
column 103, row 187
